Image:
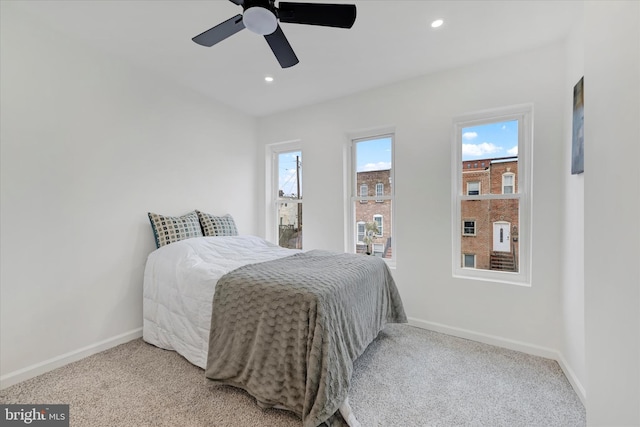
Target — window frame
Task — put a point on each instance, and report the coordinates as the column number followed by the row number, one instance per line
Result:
column 469, row 190
column 524, row 114
column 464, row 260
column 273, row 151
column 381, row 193
column 358, row 224
column 464, row 227
column 380, row 224
column 350, row 187
column 513, row 182
column 366, row 193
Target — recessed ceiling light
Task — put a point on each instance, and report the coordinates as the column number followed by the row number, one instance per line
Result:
column 437, row 23
column 268, row 79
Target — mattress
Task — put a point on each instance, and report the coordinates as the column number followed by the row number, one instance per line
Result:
column 179, row 283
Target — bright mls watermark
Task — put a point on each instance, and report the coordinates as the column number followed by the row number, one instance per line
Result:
column 34, row 415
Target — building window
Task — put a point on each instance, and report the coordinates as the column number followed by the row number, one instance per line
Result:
column 286, row 187
column 379, row 223
column 361, row 231
column 469, row 228
column 469, row 261
column 364, row 192
column 473, row 188
column 379, row 191
column 499, row 201
column 371, row 166
column 508, row 180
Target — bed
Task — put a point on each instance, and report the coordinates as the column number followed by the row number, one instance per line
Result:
column 284, row 325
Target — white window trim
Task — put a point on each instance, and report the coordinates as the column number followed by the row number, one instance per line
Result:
column 381, row 194
column 475, row 224
column 349, row 169
column 513, row 181
column 474, row 260
column 381, row 227
column 524, row 114
column 474, row 182
column 358, row 241
column 272, row 187
column 366, row 192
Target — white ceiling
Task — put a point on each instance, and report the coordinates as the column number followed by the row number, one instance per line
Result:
column 390, row 41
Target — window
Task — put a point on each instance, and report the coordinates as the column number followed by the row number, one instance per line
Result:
column 469, row 228
column 286, row 188
column 371, row 166
column 469, row 261
column 507, row 183
column 492, row 203
column 379, row 223
column 379, row 191
column 364, row 192
column 361, row 231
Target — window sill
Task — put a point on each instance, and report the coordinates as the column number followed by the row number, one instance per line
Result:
column 517, row 279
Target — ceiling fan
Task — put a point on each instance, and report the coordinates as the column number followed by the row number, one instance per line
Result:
column 262, row 16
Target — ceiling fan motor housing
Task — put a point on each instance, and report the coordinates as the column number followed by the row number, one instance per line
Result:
column 260, row 16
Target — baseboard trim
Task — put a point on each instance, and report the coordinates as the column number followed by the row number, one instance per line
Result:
column 521, row 346
column 573, row 379
column 56, row 362
column 48, row 365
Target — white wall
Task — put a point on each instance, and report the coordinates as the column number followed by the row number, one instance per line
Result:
column 612, row 201
column 422, row 110
column 89, row 145
column 572, row 283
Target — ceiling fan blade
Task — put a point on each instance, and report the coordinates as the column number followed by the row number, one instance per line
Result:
column 220, row 32
column 281, row 48
column 328, row 15
column 238, row 2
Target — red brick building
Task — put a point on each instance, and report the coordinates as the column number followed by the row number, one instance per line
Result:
column 489, row 229
column 372, row 184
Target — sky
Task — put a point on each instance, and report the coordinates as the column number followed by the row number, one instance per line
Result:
column 478, row 142
column 287, row 181
column 490, row 140
column 373, row 155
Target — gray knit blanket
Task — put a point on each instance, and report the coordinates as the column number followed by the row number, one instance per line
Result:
column 287, row 331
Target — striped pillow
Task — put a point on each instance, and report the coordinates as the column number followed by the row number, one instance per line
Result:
column 217, row 225
column 170, row 229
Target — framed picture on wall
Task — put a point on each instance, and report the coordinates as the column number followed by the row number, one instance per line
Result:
column 577, row 143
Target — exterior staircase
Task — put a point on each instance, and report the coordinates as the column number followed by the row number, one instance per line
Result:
column 387, row 252
column 503, row 261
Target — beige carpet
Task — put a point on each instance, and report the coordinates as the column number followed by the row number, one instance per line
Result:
column 407, row 377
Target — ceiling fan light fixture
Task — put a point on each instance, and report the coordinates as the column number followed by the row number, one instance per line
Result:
column 262, row 16
column 260, row 20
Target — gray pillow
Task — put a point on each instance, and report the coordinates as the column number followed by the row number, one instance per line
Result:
column 170, row 229
column 217, row 225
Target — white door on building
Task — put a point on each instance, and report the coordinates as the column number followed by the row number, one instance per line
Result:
column 501, row 236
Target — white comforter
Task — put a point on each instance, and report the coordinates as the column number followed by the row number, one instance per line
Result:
column 179, row 283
